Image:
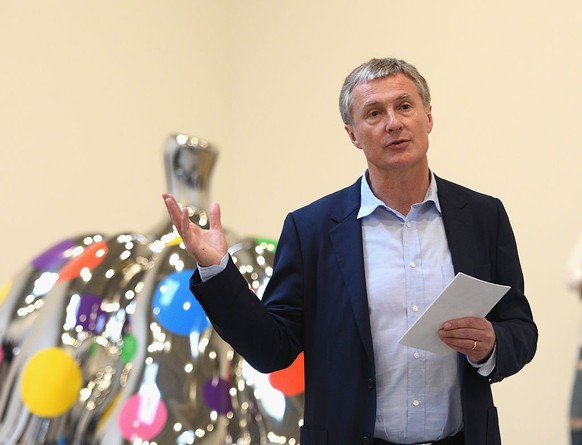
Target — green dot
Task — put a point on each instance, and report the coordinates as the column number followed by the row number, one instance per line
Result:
column 129, row 348
column 267, row 244
column 92, row 349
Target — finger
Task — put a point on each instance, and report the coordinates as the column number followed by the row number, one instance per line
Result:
column 465, row 322
column 214, row 217
column 460, row 333
column 173, row 209
column 185, row 226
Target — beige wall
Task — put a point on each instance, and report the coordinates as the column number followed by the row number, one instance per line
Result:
column 89, row 92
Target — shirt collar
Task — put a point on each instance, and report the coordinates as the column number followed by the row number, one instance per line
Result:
column 369, row 202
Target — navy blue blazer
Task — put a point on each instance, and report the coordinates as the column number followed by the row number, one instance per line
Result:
column 316, row 302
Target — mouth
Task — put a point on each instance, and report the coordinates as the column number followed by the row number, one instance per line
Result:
column 398, row 143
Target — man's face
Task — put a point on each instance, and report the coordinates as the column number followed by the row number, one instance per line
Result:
column 390, row 124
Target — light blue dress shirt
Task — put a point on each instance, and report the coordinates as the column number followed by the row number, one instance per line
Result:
column 408, row 263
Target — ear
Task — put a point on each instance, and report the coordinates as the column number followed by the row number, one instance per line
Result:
column 429, row 116
column 350, row 130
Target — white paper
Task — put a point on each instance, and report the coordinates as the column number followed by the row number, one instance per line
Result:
column 465, row 296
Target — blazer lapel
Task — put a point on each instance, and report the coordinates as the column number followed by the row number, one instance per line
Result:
column 346, row 241
column 460, row 231
column 458, row 227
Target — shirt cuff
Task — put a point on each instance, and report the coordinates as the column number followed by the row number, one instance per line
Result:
column 207, row 272
column 486, row 368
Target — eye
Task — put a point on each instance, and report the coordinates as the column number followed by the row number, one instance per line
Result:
column 373, row 115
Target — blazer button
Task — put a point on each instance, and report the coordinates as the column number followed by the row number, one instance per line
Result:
column 371, row 384
column 365, row 441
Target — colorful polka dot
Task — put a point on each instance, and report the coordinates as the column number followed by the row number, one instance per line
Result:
column 54, row 257
column 4, row 290
column 142, row 417
column 176, row 308
column 91, row 257
column 129, row 348
column 290, row 381
column 267, row 243
column 217, row 395
column 174, row 241
column 90, row 316
column 51, row 381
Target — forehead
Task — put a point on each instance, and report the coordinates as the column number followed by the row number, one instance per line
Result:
column 385, row 88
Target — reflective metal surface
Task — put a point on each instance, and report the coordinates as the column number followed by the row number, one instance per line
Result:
column 103, row 343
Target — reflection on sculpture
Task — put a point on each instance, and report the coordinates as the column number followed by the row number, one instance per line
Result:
column 103, row 343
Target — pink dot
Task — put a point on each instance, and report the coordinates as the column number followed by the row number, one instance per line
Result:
column 142, row 417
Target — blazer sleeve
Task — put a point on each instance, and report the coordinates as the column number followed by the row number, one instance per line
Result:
column 512, row 319
column 267, row 333
column 482, row 244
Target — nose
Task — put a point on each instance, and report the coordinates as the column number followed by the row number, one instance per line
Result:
column 393, row 122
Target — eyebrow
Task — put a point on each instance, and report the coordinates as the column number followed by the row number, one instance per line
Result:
column 373, row 102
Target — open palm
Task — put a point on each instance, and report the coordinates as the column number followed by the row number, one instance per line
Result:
column 207, row 246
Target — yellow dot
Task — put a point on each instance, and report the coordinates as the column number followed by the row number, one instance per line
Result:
column 51, row 381
column 4, row 290
column 174, row 242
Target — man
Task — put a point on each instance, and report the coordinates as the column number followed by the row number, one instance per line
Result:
column 355, row 269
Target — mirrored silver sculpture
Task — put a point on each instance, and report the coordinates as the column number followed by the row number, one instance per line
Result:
column 104, row 344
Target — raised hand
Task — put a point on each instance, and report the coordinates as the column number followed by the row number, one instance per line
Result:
column 207, row 246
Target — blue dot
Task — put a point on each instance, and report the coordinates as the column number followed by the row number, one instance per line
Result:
column 176, row 308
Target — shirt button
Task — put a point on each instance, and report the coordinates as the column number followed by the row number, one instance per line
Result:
column 412, row 264
column 415, row 402
column 408, row 224
column 414, row 308
column 416, row 354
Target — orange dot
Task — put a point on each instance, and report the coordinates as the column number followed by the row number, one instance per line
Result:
column 290, row 381
column 91, row 257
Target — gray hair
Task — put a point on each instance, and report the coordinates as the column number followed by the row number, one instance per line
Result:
column 375, row 69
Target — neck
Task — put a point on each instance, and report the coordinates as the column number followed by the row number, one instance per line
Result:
column 401, row 191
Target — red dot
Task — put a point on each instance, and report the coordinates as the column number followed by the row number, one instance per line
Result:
column 290, row 381
column 91, row 257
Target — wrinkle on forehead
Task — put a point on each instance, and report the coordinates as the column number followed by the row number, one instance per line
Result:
column 373, row 101
column 398, row 84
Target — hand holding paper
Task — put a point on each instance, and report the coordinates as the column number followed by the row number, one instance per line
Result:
column 465, row 296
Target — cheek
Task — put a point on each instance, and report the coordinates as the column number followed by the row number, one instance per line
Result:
column 424, row 142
